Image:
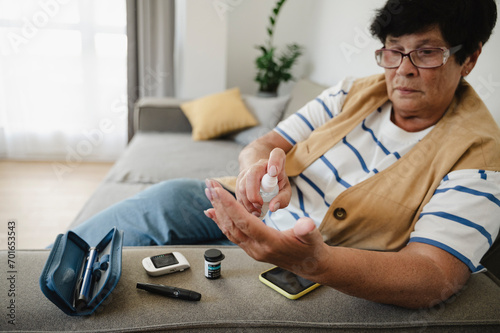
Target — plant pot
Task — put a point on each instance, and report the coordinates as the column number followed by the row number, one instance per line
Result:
column 267, row 94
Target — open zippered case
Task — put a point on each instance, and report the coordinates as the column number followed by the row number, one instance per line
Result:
column 77, row 278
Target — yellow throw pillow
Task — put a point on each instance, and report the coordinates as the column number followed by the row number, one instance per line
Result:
column 218, row 114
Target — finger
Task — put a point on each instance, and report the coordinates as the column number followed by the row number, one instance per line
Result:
column 276, row 166
column 305, row 230
column 276, row 163
column 282, row 199
column 253, row 179
column 210, row 213
column 249, row 225
column 227, row 227
column 235, row 235
column 219, row 215
column 242, row 197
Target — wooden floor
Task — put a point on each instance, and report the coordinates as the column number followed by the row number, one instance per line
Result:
column 43, row 198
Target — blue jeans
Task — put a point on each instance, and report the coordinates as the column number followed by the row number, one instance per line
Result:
column 168, row 213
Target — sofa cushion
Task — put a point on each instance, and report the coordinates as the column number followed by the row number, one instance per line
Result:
column 246, row 136
column 268, row 111
column 218, row 114
column 237, row 301
column 303, row 92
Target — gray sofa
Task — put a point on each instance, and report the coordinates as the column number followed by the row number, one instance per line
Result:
column 162, row 149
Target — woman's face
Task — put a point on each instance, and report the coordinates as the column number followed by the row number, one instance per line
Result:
column 420, row 97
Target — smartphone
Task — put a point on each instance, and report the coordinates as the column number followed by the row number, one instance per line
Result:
column 165, row 263
column 287, row 283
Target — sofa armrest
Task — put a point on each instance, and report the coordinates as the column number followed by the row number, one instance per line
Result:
column 237, row 302
column 152, row 114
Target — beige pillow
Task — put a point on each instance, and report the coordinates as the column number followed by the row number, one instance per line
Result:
column 218, row 114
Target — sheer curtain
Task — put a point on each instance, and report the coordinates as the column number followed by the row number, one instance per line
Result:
column 150, row 31
column 63, row 83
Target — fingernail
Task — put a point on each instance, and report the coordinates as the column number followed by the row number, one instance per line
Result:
column 214, row 193
column 256, row 205
column 208, row 194
column 276, row 206
column 208, row 183
column 273, row 171
column 255, row 213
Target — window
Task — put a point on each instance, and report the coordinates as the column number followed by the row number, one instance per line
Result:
column 63, row 79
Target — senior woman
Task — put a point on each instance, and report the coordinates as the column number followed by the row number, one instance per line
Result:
column 389, row 185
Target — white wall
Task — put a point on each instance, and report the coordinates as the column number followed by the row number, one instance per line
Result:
column 340, row 44
column 319, row 25
column 247, row 23
column 201, row 49
column 334, row 34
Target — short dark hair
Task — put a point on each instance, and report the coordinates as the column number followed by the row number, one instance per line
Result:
column 466, row 22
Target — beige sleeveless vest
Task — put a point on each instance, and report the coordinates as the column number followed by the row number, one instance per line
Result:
column 380, row 212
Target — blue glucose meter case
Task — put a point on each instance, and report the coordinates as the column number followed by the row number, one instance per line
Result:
column 77, row 278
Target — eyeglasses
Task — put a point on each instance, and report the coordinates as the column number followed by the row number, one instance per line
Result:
column 432, row 57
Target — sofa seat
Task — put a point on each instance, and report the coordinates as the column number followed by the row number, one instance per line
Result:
column 237, row 302
column 153, row 157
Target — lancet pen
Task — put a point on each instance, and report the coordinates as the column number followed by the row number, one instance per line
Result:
column 173, row 292
column 83, row 295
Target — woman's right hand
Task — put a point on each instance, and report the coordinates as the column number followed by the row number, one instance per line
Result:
column 248, row 183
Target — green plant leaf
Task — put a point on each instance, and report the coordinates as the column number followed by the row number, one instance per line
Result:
column 271, row 70
column 262, row 48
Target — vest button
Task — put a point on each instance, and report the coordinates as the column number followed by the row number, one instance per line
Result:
column 340, row 213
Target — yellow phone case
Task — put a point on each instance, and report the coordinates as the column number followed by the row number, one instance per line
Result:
column 284, row 292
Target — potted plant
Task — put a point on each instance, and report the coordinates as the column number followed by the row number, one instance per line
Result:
column 271, row 68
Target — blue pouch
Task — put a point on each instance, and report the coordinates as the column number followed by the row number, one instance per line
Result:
column 68, row 264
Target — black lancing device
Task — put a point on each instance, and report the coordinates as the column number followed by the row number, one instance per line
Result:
column 172, row 292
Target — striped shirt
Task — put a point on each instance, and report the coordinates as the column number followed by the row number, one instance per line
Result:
column 460, row 217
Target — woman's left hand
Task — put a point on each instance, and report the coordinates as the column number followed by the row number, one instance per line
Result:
column 299, row 249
